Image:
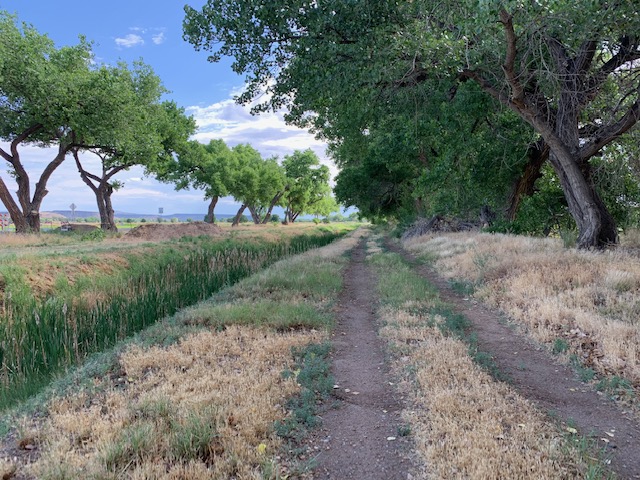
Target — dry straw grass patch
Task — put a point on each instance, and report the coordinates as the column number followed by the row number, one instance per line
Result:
column 587, row 299
column 465, row 424
column 199, row 409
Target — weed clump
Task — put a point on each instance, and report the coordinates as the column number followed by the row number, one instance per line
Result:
column 315, row 380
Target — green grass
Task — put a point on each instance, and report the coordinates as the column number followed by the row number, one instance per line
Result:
column 398, row 283
column 560, row 345
column 268, row 313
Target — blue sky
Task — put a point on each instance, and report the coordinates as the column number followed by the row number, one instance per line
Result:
column 152, row 31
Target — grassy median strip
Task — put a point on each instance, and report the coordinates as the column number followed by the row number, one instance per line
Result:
column 211, row 402
column 465, row 423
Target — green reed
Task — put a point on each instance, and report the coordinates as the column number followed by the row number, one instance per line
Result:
column 41, row 338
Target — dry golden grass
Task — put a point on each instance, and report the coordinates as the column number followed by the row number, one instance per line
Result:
column 465, row 424
column 587, row 299
column 13, row 240
column 230, row 380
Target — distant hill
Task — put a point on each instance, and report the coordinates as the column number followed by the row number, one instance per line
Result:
column 183, row 217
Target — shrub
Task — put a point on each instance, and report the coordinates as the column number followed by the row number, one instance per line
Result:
column 96, row 235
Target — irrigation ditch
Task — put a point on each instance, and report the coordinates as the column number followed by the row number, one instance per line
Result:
column 42, row 336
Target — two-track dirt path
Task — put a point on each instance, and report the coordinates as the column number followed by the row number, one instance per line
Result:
column 359, row 435
column 353, row 440
column 536, row 375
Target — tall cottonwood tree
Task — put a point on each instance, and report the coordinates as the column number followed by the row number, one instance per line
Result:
column 208, row 167
column 256, row 183
column 568, row 70
column 571, row 72
column 307, row 183
column 41, row 88
column 132, row 127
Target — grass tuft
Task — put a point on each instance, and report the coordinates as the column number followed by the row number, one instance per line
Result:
column 267, row 313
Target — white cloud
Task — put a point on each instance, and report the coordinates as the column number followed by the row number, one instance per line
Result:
column 268, row 133
column 130, row 40
column 158, row 38
column 143, row 193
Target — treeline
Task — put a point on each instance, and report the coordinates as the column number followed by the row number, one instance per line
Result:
column 528, row 109
column 59, row 98
column 299, row 183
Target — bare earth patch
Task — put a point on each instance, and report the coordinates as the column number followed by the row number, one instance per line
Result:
column 159, row 231
column 359, row 438
column 553, row 387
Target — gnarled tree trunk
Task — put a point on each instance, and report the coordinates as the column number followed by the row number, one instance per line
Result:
column 236, row 219
column 105, row 208
column 556, row 118
column 273, row 203
column 102, row 189
column 26, row 215
column 211, row 218
column 255, row 214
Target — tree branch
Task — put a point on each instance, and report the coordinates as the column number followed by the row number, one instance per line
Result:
column 607, row 134
column 585, row 56
column 477, row 77
column 628, row 52
column 86, row 176
column 115, row 170
column 517, row 92
column 23, row 136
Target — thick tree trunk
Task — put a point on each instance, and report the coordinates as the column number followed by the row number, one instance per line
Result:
column 211, row 218
column 255, row 216
column 12, row 207
column 596, row 226
column 236, row 220
column 105, row 207
column 103, row 191
column 26, row 217
column 274, row 201
column 33, row 220
column 523, row 187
